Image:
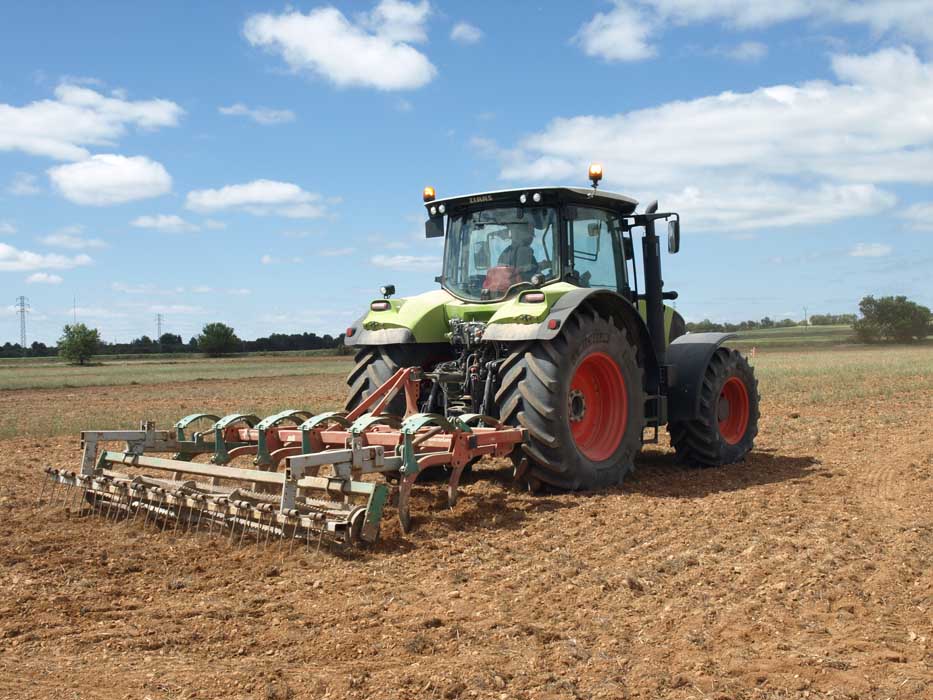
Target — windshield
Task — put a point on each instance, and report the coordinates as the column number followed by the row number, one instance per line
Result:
column 491, row 251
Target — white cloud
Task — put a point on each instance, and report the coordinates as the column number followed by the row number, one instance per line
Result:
column 259, row 197
column 623, row 33
column 68, row 238
column 748, row 51
column 6, row 228
column 78, row 117
column 831, row 144
column 266, row 259
column 168, row 223
column 737, row 206
column 919, row 216
column 16, row 260
column 23, row 185
column 213, row 225
column 398, row 20
column 107, row 179
column 618, row 35
column 336, row 252
column 907, row 17
column 870, row 250
column 260, row 115
column 406, row 262
column 375, row 51
column 466, row 33
column 43, row 278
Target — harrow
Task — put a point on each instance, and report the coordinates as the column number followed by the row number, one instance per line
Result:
column 314, row 475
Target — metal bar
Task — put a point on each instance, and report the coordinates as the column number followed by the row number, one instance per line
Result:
column 211, row 470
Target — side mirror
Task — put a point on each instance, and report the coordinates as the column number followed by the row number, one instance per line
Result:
column 434, row 228
column 673, row 236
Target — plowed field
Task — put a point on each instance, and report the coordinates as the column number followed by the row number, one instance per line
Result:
column 806, row 571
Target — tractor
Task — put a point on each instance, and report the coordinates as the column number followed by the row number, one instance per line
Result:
column 541, row 323
column 541, row 346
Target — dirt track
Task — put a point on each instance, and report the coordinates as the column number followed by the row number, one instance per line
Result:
column 805, row 572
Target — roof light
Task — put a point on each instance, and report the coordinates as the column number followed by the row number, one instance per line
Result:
column 523, row 199
column 596, row 173
column 433, row 211
column 428, row 194
column 536, row 197
column 380, row 306
column 441, row 208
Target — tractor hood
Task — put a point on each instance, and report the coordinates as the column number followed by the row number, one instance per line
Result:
column 425, row 318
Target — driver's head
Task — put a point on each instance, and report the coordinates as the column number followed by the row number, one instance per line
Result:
column 523, row 233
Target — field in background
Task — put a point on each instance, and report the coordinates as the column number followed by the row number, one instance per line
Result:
column 152, row 369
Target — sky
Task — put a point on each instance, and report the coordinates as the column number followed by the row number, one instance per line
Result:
column 261, row 164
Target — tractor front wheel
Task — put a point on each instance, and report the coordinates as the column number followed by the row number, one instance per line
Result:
column 580, row 397
column 725, row 430
column 375, row 365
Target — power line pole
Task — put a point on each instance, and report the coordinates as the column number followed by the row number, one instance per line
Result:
column 22, row 308
column 159, row 318
column 806, row 318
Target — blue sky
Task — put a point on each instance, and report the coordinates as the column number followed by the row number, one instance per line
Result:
column 262, row 164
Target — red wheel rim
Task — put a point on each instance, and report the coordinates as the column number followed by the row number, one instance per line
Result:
column 733, row 410
column 597, row 406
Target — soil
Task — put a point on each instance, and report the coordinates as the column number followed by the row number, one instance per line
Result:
column 803, row 572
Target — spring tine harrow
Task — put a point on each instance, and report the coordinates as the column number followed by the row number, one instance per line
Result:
column 312, row 474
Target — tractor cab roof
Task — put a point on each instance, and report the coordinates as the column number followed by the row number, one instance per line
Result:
column 541, row 196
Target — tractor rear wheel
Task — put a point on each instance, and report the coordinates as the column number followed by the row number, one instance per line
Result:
column 728, row 423
column 580, row 396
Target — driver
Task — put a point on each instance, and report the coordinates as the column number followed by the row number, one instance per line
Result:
column 518, row 253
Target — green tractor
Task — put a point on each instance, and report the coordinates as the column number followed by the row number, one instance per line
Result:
column 542, row 323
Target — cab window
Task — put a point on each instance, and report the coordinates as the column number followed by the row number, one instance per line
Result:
column 596, row 249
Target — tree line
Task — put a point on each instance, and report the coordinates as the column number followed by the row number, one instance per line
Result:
column 213, row 339
column 892, row 319
column 706, row 326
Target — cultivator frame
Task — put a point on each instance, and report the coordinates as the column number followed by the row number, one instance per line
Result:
column 295, row 503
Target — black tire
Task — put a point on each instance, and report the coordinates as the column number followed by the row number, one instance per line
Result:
column 376, row 364
column 702, row 442
column 535, row 393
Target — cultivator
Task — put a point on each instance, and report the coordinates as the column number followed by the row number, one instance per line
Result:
column 327, row 488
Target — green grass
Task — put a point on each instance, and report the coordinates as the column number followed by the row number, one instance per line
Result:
column 796, row 336
column 845, row 375
column 33, row 374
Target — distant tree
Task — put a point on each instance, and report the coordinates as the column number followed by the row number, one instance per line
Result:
column 892, row 318
column 218, row 339
column 170, row 339
column 78, row 343
column 766, row 323
column 832, row 319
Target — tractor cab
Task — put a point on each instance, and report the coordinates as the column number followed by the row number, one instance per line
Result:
column 500, row 243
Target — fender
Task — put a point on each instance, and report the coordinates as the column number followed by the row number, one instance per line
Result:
column 689, row 356
column 605, row 301
column 386, row 336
